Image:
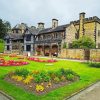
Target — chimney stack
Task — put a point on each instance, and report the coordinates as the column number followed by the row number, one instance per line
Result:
column 81, row 24
column 41, row 25
column 54, row 23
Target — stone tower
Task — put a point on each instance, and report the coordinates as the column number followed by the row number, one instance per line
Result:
column 81, row 24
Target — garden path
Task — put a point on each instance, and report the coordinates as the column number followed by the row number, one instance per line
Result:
column 4, row 96
column 91, row 93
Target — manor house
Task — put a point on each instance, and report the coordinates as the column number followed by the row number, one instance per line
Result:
column 49, row 41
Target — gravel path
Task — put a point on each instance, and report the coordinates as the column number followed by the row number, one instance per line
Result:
column 91, row 93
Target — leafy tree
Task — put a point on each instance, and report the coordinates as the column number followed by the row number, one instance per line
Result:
column 83, row 43
column 4, row 28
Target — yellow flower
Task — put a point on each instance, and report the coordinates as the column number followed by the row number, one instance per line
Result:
column 28, row 79
column 17, row 78
column 39, row 88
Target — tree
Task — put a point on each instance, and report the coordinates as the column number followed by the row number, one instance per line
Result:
column 83, row 43
column 4, row 27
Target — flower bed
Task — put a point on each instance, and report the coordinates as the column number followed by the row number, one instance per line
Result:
column 12, row 63
column 39, row 60
column 41, row 82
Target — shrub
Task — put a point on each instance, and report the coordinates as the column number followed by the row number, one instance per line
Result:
column 56, row 80
column 21, row 72
column 62, row 70
column 58, row 73
column 69, row 71
column 63, row 78
column 83, row 43
column 96, row 65
column 51, row 74
column 38, row 79
column 70, row 77
column 47, row 78
column 43, row 74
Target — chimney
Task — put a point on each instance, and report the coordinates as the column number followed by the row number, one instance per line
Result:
column 54, row 23
column 81, row 24
column 41, row 25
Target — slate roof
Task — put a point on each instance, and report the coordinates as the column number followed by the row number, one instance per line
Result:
column 14, row 36
column 33, row 31
column 57, row 29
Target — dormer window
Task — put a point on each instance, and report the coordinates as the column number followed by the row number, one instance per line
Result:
column 28, row 38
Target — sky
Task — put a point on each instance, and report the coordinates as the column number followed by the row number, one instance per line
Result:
column 33, row 11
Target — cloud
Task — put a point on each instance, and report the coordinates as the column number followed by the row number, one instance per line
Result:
column 34, row 11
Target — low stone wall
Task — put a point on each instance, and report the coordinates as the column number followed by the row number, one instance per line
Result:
column 72, row 53
column 11, row 51
column 80, row 54
column 95, row 55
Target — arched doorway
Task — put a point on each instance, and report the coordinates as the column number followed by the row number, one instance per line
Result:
column 54, row 50
column 46, row 50
column 39, row 50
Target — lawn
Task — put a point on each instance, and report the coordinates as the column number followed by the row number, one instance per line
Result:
column 88, row 75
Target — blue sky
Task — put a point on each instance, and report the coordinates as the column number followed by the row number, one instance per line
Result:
column 34, row 11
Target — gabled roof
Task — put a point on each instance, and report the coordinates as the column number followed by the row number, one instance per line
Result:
column 20, row 26
column 14, row 36
column 33, row 31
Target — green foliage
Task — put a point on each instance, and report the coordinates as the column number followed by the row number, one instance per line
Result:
column 62, row 70
column 4, row 27
column 42, row 76
column 21, row 72
column 64, row 45
column 96, row 65
column 58, row 73
column 63, row 78
column 70, row 77
column 47, row 78
column 56, row 80
column 38, row 78
column 83, row 43
column 1, row 41
column 69, row 71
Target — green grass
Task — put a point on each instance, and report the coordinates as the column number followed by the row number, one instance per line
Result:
column 88, row 75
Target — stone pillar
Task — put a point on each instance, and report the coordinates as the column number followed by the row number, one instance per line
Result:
column 81, row 24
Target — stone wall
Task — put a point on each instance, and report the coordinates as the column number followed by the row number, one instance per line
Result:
column 72, row 53
column 80, row 54
column 95, row 55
